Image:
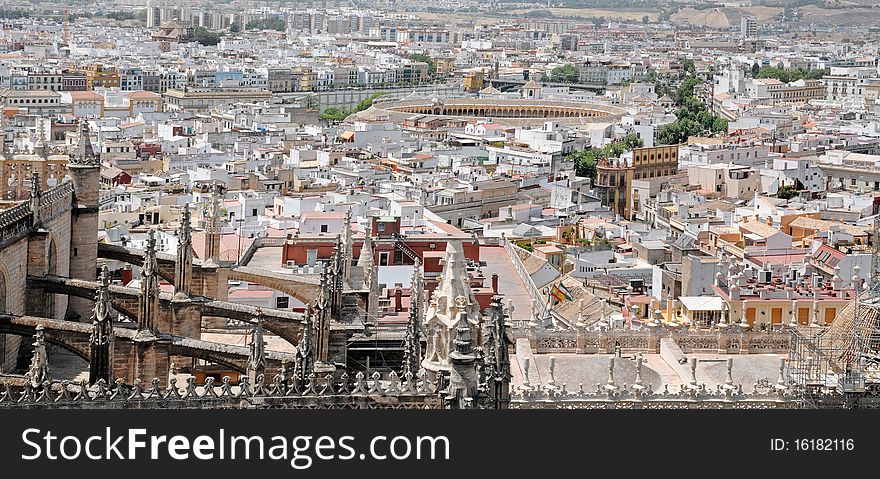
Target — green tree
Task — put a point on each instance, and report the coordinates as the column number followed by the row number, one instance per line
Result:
column 585, row 162
column 685, row 90
column 692, row 116
column 687, row 65
column 755, row 69
column 421, row 57
column 235, row 27
column 268, row 23
column 645, row 20
column 333, row 114
column 204, row 37
column 565, row 74
column 786, row 192
column 787, row 76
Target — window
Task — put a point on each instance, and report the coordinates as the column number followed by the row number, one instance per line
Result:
column 254, row 212
column 380, row 227
column 323, row 228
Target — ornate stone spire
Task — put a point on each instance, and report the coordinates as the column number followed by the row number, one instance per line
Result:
column 464, row 346
column 365, row 259
column 101, row 339
column 184, row 266
column 212, row 228
column 84, row 154
column 257, row 360
column 452, row 296
column 148, row 304
column 347, row 245
column 38, row 372
column 36, row 196
column 463, row 377
column 497, row 358
column 412, row 354
column 305, row 364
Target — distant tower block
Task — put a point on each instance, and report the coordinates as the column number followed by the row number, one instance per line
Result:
column 749, row 27
column 84, row 169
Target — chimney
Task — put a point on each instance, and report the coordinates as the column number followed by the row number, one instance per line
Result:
column 495, row 283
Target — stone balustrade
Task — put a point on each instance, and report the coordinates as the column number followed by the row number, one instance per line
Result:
column 589, row 342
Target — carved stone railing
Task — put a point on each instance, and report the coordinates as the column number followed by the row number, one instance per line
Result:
column 15, row 222
column 733, row 343
column 588, row 342
column 558, row 342
column 393, row 392
column 612, row 396
column 510, row 248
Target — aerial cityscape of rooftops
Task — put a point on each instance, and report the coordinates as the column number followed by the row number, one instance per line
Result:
column 578, row 204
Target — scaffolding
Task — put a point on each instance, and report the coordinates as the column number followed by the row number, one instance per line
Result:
column 839, row 366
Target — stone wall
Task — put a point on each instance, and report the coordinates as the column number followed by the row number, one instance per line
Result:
column 37, row 249
column 13, row 269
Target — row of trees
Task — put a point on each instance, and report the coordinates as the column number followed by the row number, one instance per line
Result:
column 692, row 116
column 269, row 23
column 787, row 76
column 585, row 161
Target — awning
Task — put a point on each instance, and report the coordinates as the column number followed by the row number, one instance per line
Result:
column 347, row 136
column 702, row 303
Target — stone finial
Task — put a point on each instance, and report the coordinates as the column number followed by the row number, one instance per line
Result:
column 304, row 350
column 638, row 381
column 36, row 195
column 780, row 381
column 148, row 302
column 526, row 383
column 744, row 323
column 552, row 381
column 611, row 380
column 183, row 265
column 580, row 317
column 38, row 372
column 102, row 296
column 724, row 323
column 84, row 153
column 101, row 338
column 257, row 358
column 729, row 380
column 814, row 315
column 412, row 339
column 463, row 342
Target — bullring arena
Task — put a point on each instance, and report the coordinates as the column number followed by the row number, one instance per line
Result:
column 505, row 112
